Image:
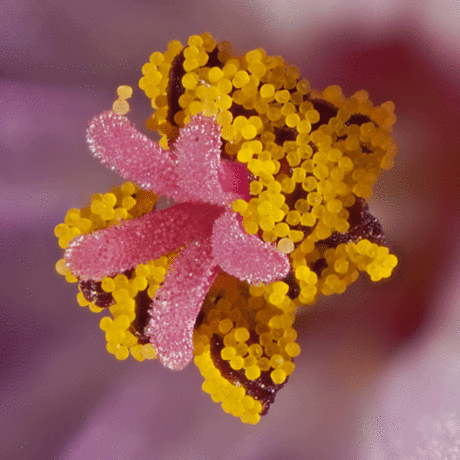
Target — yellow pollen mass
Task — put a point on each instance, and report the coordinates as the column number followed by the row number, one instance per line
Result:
column 308, row 172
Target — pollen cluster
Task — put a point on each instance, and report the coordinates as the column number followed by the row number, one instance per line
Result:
column 121, row 105
column 311, row 156
column 131, row 292
column 123, row 293
column 245, row 345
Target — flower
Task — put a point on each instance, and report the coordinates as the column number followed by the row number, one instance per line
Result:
column 270, row 181
column 203, row 222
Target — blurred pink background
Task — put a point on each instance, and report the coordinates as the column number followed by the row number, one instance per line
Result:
column 379, row 373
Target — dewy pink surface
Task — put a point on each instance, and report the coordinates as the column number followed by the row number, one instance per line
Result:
column 119, row 248
column 179, row 301
column 378, row 374
column 203, row 222
column 198, row 162
column 244, row 256
column 133, row 155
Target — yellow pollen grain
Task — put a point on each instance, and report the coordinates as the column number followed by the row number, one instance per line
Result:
column 292, row 120
column 250, row 227
column 227, row 353
column 240, row 206
column 61, row 267
column 285, row 245
column 224, row 85
column 293, row 349
column 120, row 106
column 241, row 334
column 249, row 131
column 240, row 79
column 190, row 81
column 225, row 326
column 252, row 372
column 255, row 350
column 237, row 363
column 282, row 229
column 263, row 363
column 124, row 91
column 278, row 376
column 303, row 87
column 267, row 91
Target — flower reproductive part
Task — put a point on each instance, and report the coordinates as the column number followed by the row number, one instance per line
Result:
column 270, row 181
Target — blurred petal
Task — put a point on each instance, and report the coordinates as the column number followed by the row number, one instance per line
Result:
column 178, row 303
column 118, row 144
column 121, row 247
column 246, row 256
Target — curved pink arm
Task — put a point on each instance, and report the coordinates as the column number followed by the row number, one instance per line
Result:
column 198, row 149
column 121, row 247
column 178, row 302
column 118, row 144
column 246, row 256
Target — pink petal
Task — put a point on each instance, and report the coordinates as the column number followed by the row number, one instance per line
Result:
column 121, row 247
column 246, row 256
column 116, row 142
column 178, row 303
column 198, row 149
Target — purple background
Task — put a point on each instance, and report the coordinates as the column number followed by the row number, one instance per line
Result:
column 379, row 364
